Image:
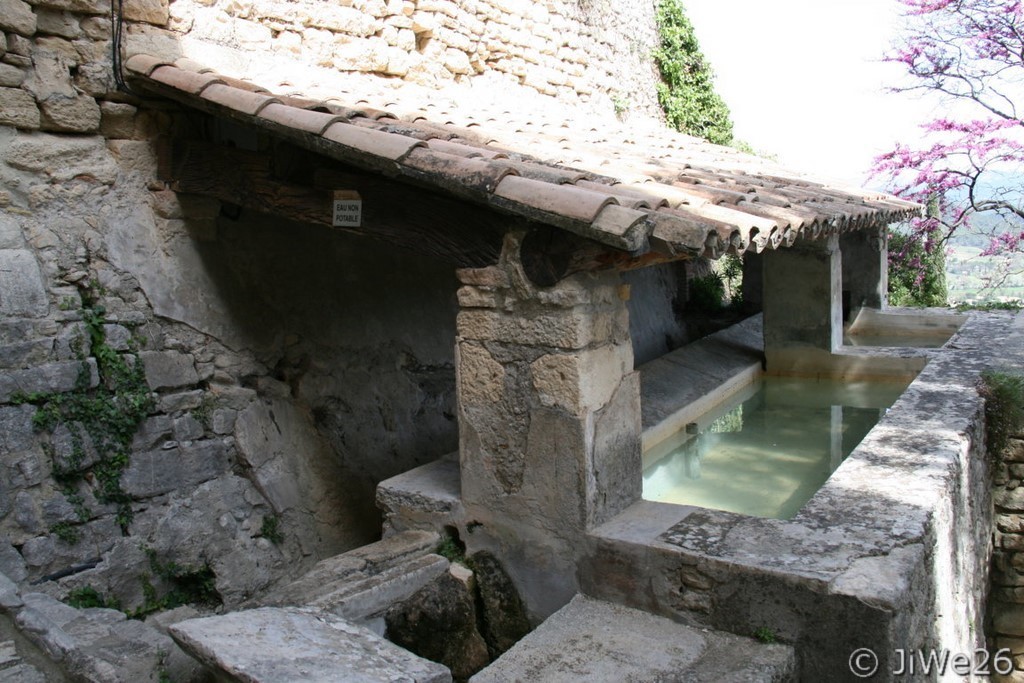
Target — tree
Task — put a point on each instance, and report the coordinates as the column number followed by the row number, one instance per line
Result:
column 687, row 92
column 971, row 53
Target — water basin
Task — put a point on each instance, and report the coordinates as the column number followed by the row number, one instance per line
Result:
column 924, row 340
column 769, row 447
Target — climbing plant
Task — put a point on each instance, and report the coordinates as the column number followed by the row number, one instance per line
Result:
column 104, row 417
column 187, row 585
column 686, row 92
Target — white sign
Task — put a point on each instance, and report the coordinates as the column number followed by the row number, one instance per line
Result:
column 348, row 209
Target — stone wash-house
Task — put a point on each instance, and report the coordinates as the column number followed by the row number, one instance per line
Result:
column 421, row 243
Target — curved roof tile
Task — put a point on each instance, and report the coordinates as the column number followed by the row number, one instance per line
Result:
column 636, row 187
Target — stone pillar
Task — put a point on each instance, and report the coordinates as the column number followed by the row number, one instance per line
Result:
column 803, row 314
column 753, row 280
column 865, row 256
column 549, row 419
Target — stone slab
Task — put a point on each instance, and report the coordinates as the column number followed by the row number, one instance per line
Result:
column 21, row 284
column 22, row 673
column 366, row 580
column 95, row 645
column 52, row 377
column 287, row 644
column 166, row 469
column 590, row 640
column 424, row 495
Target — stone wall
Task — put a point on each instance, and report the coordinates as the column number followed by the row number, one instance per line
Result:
column 577, row 50
column 1006, row 600
column 290, row 368
column 290, row 371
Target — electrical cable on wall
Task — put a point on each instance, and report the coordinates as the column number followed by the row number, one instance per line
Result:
column 117, row 32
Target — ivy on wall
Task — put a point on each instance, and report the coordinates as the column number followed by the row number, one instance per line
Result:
column 103, row 418
column 686, row 92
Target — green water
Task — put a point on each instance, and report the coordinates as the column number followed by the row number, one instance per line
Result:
column 770, row 449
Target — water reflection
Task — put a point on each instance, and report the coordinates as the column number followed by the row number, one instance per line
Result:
column 768, row 454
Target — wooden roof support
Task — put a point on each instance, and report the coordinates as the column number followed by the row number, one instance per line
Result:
column 297, row 185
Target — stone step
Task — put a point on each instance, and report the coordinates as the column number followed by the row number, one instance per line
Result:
column 13, row 669
column 589, row 640
column 365, row 582
column 95, row 644
column 427, row 497
column 272, row 644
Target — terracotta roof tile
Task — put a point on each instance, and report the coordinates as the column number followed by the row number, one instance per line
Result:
column 546, row 173
column 187, row 64
column 144, row 64
column 625, row 194
column 459, row 149
column 633, row 187
column 300, row 102
column 629, row 224
column 300, row 119
column 458, row 172
column 384, row 145
column 240, row 100
column 562, row 200
column 186, row 81
column 418, row 130
column 685, row 235
column 241, row 84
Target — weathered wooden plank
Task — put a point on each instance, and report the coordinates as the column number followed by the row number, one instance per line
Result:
column 406, row 216
column 549, row 255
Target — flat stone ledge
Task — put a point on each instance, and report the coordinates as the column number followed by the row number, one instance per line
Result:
column 589, row 640
column 431, row 492
column 286, row 644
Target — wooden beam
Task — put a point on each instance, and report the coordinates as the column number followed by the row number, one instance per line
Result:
column 301, row 188
column 549, row 255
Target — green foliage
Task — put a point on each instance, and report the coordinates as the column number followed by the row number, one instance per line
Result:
column 1004, row 408
column 686, row 92
column 188, row 585
column 108, row 414
column 452, row 549
column 270, row 529
column 66, row 532
column 765, row 635
column 706, row 293
column 731, row 268
column 621, row 104
column 991, row 306
column 162, row 673
column 203, row 413
column 87, row 596
column 916, row 277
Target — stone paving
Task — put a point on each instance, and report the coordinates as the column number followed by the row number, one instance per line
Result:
column 589, row 640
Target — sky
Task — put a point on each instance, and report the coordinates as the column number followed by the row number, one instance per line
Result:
column 804, row 79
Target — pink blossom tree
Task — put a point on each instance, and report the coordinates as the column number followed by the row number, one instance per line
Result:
column 971, row 53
